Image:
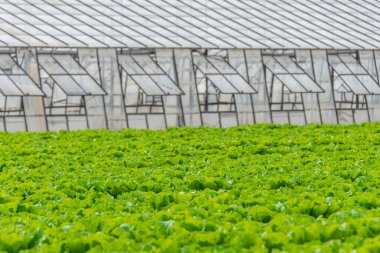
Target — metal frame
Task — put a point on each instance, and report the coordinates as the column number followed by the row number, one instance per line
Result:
column 7, row 71
column 284, row 74
column 214, row 98
column 72, row 104
column 348, row 96
column 291, row 101
column 184, row 30
column 148, row 102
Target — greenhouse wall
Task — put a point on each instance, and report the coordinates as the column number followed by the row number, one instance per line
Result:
column 46, row 89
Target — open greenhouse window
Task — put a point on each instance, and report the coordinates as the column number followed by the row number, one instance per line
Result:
column 14, row 80
column 286, row 82
column 218, row 82
column 14, row 84
column 145, row 84
column 66, row 83
column 352, row 83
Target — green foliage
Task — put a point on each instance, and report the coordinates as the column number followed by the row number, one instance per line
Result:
column 262, row 188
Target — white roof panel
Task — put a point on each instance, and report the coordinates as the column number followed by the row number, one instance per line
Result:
column 338, row 24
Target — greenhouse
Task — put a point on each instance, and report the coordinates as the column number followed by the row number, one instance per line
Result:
column 114, row 64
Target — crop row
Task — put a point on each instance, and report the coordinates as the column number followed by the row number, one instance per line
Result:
column 262, row 188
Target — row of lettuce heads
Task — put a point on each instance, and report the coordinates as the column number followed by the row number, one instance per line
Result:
column 263, row 188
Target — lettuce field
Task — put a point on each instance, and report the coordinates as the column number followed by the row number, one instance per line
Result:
column 262, row 188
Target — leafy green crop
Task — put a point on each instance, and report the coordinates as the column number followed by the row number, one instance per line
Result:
column 262, row 188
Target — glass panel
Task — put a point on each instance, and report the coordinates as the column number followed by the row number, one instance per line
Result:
column 211, row 119
column 131, row 93
column 367, row 60
column 47, row 88
column 137, row 121
column 308, row 83
column 94, row 104
column 166, row 84
column 9, row 66
column 338, row 66
column 311, row 107
column 221, row 65
column 255, row 68
column 8, row 88
column 305, row 61
column 340, row 85
column 369, row 83
column 204, row 66
column 323, row 78
column 243, row 102
column 222, row 84
column 89, row 61
column 33, row 106
column 347, row 58
column 77, row 122
column 69, row 64
column 352, row 64
column 228, row 120
column 129, row 65
column 50, row 64
column 111, row 83
column 172, row 104
column 240, row 84
column 187, row 82
column 88, row 84
column 156, row 122
column 165, row 59
column 273, row 65
column 68, row 85
column 58, row 98
column 13, row 104
column 56, row 123
column 149, row 66
column 291, row 83
column 15, row 124
column 27, row 86
column 354, row 84
column 147, row 85
column 289, row 64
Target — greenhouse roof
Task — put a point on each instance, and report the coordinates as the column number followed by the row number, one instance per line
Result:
column 276, row 24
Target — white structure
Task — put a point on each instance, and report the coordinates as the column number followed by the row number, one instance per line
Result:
column 75, row 64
